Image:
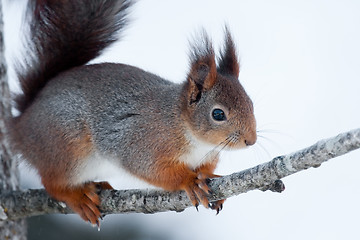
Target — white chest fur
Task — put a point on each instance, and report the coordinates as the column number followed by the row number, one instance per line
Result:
column 199, row 153
column 96, row 167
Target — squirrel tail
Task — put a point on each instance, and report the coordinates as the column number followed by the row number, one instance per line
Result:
column 65, row 34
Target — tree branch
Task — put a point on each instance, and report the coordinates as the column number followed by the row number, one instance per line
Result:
column 20, row 204
column 8, row 168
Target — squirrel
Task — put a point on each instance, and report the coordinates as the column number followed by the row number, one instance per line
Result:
column 76, row 118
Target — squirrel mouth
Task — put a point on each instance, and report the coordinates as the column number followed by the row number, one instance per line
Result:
column 239, row 141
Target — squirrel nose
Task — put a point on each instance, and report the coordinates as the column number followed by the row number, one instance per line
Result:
column 250, row 138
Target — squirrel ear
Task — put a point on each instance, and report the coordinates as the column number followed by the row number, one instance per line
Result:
column 202, row 75
column 228, row 61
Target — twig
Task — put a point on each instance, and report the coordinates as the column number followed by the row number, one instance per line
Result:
column 266, row 176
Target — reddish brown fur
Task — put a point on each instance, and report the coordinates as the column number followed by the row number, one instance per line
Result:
column 175, row 176
column 67, row 152
column 83, row 198
column 197, row 82
column 68, row 148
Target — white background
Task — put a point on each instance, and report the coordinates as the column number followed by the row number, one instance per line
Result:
column 300, row 65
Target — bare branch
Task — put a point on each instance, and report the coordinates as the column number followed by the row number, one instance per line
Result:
column 8, row 169
column 19, row 204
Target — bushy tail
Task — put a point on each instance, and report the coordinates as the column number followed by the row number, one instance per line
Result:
column 65, row 34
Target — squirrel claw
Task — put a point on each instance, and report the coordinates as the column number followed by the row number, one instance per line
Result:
column 102, row 185
column 98, row 225
column 217, row 206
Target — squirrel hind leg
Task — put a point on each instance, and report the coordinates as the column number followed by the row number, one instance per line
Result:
column 83, row 199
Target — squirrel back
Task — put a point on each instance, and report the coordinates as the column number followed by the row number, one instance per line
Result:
column 76, row 118
column 65, row 34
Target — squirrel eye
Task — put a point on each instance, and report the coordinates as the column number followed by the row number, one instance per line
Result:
column 218, row 114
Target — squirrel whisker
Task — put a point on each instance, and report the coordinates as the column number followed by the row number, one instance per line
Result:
column 215, row 149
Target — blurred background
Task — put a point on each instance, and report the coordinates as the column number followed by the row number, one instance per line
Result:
column 300, row 65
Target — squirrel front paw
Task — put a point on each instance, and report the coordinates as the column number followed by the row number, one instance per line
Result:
column 217, row 205
column 198, row 191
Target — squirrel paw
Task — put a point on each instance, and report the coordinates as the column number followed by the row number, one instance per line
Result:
column 203, row 181
column 85, row 200
column 198, row 190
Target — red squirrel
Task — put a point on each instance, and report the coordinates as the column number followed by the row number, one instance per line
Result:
column 76, row 118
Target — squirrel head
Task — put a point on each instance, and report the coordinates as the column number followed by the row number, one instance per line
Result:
column 215, row 105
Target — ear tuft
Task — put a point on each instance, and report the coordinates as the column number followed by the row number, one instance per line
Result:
column 228, row 61
column 203, row 66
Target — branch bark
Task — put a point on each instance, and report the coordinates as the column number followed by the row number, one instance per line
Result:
column 20, row 204
column 8, row 170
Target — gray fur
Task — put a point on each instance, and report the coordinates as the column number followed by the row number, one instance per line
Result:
column 123, row 106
